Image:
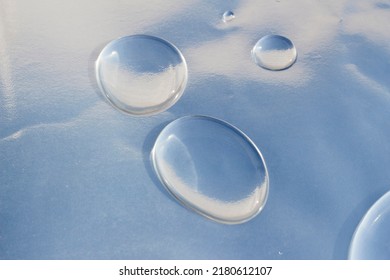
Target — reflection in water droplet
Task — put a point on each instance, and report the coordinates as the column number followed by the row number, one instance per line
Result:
column 372, row 239
column 274, row 52
column 141, row 75
column 228, row 16
column 212, row 168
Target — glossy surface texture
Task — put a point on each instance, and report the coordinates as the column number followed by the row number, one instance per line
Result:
column 212, row 168
column 274, row 52
column 76, row 179
column 141, row 75
column 371, row 240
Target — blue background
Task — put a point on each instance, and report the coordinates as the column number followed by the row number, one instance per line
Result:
column 76, row 181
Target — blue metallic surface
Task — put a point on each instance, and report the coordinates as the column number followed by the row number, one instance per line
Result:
column 76, row 180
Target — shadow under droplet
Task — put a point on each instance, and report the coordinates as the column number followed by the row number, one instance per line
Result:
column 147, row 147
column 92, row 71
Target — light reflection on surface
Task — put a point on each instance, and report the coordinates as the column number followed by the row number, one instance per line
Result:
column 74, row 172
column 212, row 168
column 141, row 75
column 371, row 239
column 6, row 79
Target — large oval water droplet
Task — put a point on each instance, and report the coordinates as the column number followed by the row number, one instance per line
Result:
column 212, row 168
column 371, row 239
column 274, row 52
column 141, row 74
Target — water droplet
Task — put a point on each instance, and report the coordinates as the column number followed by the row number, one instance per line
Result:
column 212, row 168
column 371, row 239
column 141, row 74
column 228, row 16
column 274, row 52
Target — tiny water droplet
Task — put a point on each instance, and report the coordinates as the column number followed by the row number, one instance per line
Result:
column 371, row 240
column 228, row 16
column 141, row 74
column 212, row 168
column 274, row 52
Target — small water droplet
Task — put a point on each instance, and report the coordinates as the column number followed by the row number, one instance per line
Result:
column 141, row 74
column 228, row 16
column 274, row 52
column 371, row 239
column 212, row 168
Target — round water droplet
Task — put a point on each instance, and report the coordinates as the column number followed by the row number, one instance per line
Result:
column 228, row 16
column 141, row 74
column 212, row 168
column 371, row 239
column 274, row 52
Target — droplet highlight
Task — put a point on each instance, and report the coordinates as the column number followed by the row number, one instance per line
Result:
column 228, row 16
column 141, row 74
column 212, row 168
column 274, row 52
column 371, row 240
